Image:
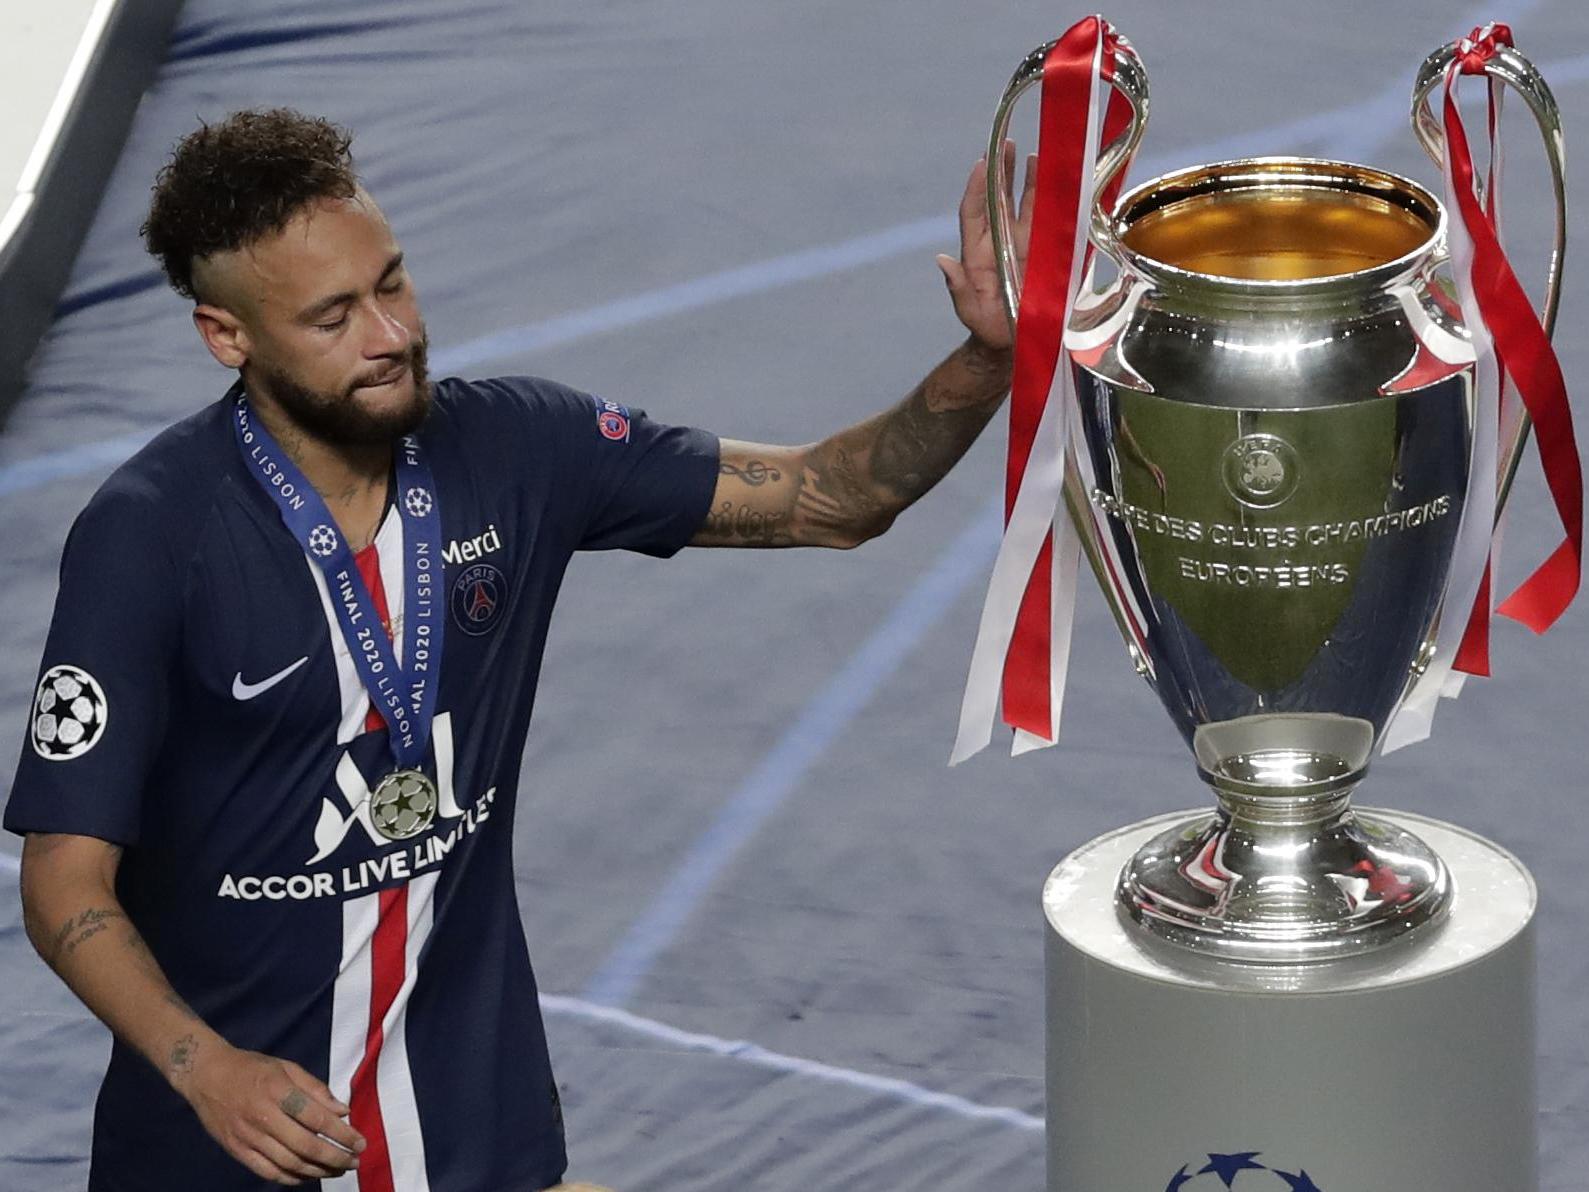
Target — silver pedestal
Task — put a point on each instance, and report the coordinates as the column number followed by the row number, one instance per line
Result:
column 1411, row 1069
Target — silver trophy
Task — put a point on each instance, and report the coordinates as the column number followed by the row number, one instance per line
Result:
column 1268, row 474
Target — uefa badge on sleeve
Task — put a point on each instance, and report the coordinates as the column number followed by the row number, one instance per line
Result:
column 612, row 420
column 69, row 714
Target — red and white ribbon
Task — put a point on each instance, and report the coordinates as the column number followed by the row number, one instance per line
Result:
column 1023, row 640
column 1516, row 370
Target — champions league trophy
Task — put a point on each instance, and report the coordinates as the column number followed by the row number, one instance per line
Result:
column 1276, row 465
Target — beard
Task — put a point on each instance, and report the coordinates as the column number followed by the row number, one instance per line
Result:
column 340, row 418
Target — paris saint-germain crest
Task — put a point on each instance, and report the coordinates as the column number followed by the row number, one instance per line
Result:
column 479, row 595
column 1240, row 1171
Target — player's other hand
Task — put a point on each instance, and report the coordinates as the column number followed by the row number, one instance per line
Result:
column 973, row 280
column 270, row 1115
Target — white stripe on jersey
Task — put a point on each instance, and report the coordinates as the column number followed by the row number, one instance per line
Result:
column 355, row 701
column 350, row 1029
column 393, row 1077
column 350, row 1009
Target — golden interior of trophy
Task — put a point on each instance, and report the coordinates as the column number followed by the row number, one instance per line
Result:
column 1278, row 224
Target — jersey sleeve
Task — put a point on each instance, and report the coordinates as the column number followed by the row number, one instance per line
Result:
column 626, row 482
column 99, row 709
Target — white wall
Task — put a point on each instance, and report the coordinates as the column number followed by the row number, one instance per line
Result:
column 37, row 41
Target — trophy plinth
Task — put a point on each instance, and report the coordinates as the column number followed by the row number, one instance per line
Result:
column 1407, row 1067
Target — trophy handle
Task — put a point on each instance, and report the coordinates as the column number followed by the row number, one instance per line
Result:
column 1130, row 78
column 1513, row 69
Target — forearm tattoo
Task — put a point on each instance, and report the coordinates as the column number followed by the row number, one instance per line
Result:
column 78, row 930
column 851, row 486
column 926, row 434
column 182, row 1053
column 859, row 481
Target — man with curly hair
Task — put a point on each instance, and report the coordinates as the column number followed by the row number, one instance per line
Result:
column 268, row 803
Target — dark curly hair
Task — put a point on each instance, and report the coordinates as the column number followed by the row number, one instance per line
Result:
column 229, row 184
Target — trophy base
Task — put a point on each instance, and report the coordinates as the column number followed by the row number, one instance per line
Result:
column 1407, row 1068
column 1285, row 893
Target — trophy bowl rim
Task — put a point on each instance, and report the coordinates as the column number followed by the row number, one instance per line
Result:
column 1322, row 169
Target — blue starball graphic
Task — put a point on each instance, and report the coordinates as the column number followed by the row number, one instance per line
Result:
column 1238, row 1171
column 418, row 502
column 1228, row 1167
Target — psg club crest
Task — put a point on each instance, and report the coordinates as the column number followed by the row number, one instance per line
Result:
column 479, row 595
column 69, row 714
column 1238, row 1172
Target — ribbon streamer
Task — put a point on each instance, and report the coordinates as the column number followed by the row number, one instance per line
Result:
column 1516, row 367
column 1023, row 639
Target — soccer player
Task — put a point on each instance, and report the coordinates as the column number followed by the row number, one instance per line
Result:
column 268, row 793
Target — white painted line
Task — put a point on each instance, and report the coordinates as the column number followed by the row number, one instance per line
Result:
column 752, row 1053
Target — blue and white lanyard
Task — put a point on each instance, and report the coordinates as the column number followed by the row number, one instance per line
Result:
column 404, row 696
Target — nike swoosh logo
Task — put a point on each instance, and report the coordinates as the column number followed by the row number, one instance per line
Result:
column 242, row 690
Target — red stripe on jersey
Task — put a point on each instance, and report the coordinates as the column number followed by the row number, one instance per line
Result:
column 387, row 950
column 368, row 562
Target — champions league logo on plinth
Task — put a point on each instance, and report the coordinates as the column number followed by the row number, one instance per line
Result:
column 1239, row 1172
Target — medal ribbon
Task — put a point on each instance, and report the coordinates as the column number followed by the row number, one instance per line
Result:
column 405, row 698
column 1023, row 640
column 1516, row 369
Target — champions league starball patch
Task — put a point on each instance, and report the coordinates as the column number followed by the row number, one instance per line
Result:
column 69, row 714
column 1238, row 1172
column 479, row 595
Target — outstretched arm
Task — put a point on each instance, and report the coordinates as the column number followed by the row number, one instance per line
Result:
column 852, row 485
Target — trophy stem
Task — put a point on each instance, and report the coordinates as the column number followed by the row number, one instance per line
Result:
column 1281, row 878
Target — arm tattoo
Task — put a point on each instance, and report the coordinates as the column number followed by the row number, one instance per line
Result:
column 923, row 437
column 852, row 485
column 78, row 930
column 835, row 494
column 182, row 1054
column 747, row 524
column 755, row 514
column 908, row 449
column 755, row 473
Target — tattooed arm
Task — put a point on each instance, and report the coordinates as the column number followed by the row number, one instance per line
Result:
column 269, row 1114
column 850, row 487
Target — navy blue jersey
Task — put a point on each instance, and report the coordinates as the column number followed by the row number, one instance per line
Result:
column 197, row 705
